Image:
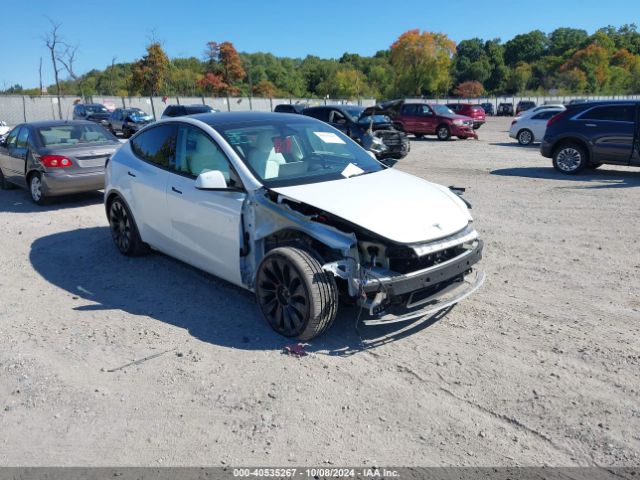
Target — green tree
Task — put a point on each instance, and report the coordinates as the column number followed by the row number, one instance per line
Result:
column 527, row 47
column 519, row 78
column 422, row 61
column 564, row 41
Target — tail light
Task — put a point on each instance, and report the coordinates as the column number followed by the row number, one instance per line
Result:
column 555, row 118
column 55, row 161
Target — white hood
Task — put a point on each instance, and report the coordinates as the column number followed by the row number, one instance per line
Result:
column 390, row 203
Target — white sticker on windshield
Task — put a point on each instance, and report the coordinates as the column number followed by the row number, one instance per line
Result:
column 351, row 170
column 329, row 137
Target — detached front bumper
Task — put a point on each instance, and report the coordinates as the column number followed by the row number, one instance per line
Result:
column 462, row 131
column 401, row 297
column 454, row 293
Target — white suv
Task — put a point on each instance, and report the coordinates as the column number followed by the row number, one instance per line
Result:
column 292, row 209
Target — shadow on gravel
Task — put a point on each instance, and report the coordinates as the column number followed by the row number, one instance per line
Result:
column 86, row 264
column 18, row 201
column 600, row 178
column 535, row 146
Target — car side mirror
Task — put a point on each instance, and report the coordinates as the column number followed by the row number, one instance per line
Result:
column 211, row 180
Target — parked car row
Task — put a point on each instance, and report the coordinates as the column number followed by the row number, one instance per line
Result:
column 269, row 202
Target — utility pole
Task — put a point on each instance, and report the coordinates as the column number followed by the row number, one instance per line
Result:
column 40, row 74
column 113, row 61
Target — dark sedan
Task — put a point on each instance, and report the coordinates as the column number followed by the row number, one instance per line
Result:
column 56, row 157
column 128, row 121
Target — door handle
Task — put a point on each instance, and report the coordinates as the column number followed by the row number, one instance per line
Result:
column 590, row 125
column 174, row 189
column 131, row 174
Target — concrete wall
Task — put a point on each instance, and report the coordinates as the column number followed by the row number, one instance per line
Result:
column 16, row 109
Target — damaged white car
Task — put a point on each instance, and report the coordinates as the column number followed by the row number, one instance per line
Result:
column 292, row 209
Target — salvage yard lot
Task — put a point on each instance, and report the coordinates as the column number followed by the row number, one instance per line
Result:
column 540, row 367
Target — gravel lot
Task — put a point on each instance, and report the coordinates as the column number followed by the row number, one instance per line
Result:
column 540, row 367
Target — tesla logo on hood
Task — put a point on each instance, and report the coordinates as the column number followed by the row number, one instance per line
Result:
column 437, row 225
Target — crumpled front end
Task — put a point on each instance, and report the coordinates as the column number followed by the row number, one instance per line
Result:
column 402, row 283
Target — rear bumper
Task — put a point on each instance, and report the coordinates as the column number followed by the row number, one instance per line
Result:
column 62, row 184
column 546, row 148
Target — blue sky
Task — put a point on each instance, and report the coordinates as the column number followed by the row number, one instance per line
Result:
column 326, row 28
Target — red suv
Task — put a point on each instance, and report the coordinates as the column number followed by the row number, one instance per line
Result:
column 469, row 110
column 431, row 119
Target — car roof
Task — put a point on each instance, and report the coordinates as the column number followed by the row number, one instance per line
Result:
column 55, row 123
column 229, row 118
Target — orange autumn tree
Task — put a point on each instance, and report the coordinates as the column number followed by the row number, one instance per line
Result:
column 422, row 61
column 224, row 70
column 469, row 89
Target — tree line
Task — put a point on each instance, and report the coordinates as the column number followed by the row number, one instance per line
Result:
column 418, row 63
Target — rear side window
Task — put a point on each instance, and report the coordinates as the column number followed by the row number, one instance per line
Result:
column 156, row 145
column 613, row 113
column 319, row 113
column 197, row 109
column 545, row 115
column 410, row 109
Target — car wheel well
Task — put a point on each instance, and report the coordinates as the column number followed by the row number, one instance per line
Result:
column 572, row 141
column 297, row 238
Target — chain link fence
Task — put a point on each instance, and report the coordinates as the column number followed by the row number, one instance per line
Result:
column 16, row 109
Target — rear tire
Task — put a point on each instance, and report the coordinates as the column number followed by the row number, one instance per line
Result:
column 570, row 158
column 525, row 137
column 124, row 230
column 36, row 189
column 4, row 183
column 443, row 132
column 296, row 297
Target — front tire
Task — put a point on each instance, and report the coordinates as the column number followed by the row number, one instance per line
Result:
column 525, row 137
column 296, row 297
column 570, row 158
column 124, row 230
column 36, row 189
column 443, row 132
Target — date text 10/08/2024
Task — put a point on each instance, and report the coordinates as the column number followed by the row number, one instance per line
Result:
column 316, row 472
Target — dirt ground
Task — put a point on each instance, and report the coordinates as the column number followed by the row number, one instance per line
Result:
column 540, row 367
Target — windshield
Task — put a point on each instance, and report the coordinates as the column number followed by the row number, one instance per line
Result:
column 442, row 110
column 137, row 115
column 96, row 109
column 284, row 153
column 376, row 119
column 67, row 135
column 354, row 112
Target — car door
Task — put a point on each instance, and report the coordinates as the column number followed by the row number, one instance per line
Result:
column 18, row 155
column 205, row 224
column 610, row 130
column 635, row 154
column 116, row 123
column 6, row 159
column 409, row 115
column 426, row 120
column 538, row 123
column 338, row 120
column 155, row 148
